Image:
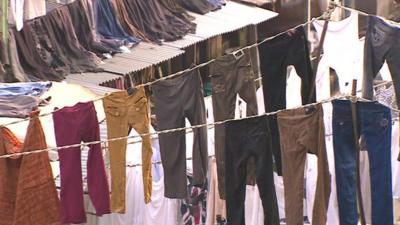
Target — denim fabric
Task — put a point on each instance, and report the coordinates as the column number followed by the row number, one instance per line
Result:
column 33, row 88
column 374, row 127
column 245, row 139
column 382, row 43
column 276, row 55
column 107, row 24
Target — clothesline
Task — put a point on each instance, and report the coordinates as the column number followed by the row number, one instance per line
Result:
column 182, row 71
column 352, row 98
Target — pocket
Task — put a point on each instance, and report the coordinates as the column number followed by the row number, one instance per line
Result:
column 114, row 111
column 141, row 105
column 246, row 71
column 218, row 83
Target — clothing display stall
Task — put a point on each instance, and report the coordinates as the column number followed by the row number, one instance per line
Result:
column 275, row 143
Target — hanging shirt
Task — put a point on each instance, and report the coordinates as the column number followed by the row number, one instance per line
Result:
column 343, row 52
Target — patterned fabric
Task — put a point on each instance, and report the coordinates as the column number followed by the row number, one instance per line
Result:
column 27, row 191
column 194, row 207
column 384, row 93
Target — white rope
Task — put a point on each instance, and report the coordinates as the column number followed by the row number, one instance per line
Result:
column 171, row 130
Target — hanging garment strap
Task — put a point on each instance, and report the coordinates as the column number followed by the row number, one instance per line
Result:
column 357, row 147
column 320, row 47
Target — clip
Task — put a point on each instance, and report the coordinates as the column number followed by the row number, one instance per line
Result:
column 131, row 90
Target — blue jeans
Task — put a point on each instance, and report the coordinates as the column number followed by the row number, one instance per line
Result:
column 374, row 127
column 107, row 23
column 31, row 88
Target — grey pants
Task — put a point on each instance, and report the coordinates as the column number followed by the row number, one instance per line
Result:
column 231, row 75
column 177, row 99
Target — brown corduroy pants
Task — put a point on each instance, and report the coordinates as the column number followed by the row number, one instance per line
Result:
column 302, row 131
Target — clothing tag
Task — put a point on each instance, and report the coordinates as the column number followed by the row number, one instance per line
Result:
column 238, row 54
column 310, row 109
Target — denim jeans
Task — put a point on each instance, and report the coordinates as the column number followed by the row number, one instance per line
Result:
column 374, row 126
column 245, row 139
column 382, row 43
column 32, row 88
column 107, row 24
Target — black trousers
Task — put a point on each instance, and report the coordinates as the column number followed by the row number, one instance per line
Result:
column 275, row 56
column 244, row 139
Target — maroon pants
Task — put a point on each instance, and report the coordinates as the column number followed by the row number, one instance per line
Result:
column 73, row 125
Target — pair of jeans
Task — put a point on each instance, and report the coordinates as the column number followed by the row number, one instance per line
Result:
column 276, row 55
column 107, row 24
column 28, row 193
column 72, row 125
column 231, row 75
column 244, row 139
column 374, row 127
column 176, row 99
column 17, row 106
column 381, row 44
column 304, row 132
column 30, row 88
column 124, row 112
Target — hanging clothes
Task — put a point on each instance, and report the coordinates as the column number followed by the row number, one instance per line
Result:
column 231, row 75
column 276, row 55
column 174, row 100
column 124, row 112
column 28, row 193
column 343, row 52
column 17, row 106
column 16, row 12
column 381, row 44
column 246, row 138
column 107, row 24
column 198, row 6
column 31, row 88
column 84, row 32
column 375, row 132
column 73, row 125
column 193, row 208
column 303, row 131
